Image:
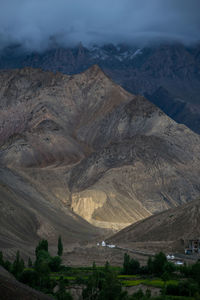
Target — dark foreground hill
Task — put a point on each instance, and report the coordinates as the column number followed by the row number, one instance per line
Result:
column 11, row 289
column 81, row 147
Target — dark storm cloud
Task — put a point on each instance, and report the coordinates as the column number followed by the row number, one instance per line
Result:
column 39, row 23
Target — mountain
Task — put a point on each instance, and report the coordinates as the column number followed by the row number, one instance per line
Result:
column 172, row 227
column 173, row 68
column 78, row 151
column 178, row 109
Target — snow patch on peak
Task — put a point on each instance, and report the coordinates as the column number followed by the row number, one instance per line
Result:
column 138, row 51
column 102, row 53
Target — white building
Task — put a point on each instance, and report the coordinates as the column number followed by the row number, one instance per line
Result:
column 111, row 246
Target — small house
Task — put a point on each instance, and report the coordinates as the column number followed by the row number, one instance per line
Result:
column 193, row 246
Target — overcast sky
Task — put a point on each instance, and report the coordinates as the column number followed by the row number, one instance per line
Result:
column 38, row 23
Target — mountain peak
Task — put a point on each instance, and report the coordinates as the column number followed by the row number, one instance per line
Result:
column 95, row 70
column 113, row 148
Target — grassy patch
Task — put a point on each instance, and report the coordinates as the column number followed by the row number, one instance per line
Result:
column 56, row 277
column 132, row 282
column 154, row 283
column 173, row 298
column 158, row 283
column 127, row 276
column 83, row 271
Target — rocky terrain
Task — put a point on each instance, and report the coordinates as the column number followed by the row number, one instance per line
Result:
column 28, row 214
column 78, row 151
column 172, row 228
column 166, row 74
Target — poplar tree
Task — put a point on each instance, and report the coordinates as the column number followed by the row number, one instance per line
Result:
column 30, row 264
column 60, row 246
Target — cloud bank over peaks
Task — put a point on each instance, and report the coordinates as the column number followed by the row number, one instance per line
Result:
column 38, row 24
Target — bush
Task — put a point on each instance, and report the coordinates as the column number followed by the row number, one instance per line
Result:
column 29, row 277
column 80, row 280
column 195, row 272
column 172, row 289
column 139, row 295
column 184, row 288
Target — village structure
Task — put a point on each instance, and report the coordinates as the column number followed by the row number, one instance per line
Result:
column 193, row 246
column 103, row 244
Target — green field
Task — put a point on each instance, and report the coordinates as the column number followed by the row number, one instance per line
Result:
column 158, row 283
column 126, row 280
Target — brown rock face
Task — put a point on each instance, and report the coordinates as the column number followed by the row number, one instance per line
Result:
column 82, row 145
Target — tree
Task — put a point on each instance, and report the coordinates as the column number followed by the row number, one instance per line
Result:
column 169, row 267
column 159, row 263
column 55, row 263
column 43, row 245
column 130, row 265
column 195, row 272
column 134, row 266
column 18, row 265
column 165, row 276
column 62, row 294
column 30, row 264
column 42, row 262
column 150, row 265
column 7, row 265
column 93, row 285
column 60, row 246
column 111, row 288
column 102, row 285
column 1, row 259
column 126, row 264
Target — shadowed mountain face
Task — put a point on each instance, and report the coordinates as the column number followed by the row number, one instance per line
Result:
column 180, row 110
column 81, row 145
column 168, row 75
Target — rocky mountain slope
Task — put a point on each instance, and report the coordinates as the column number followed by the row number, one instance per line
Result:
column 28, row 214
column 175, row 226
column 81, row 145
column 173, row 68
column 180, row 110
